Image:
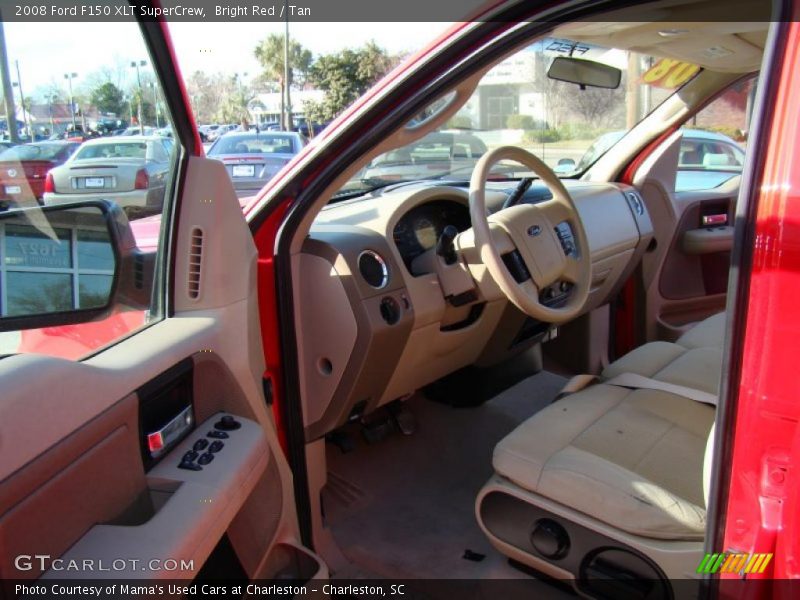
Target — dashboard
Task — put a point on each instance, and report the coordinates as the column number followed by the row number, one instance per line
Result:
column 419, row 229
column 371, row 331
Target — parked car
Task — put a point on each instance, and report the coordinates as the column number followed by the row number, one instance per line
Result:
column 24, row 168
column 436, row 154
column 707, row 159
column 221, row 130
column 207, row 129
column 253, row 158
column 136, row 130
column 270, row 126
column 77, row 135
column 130, row 170
column 301, row 126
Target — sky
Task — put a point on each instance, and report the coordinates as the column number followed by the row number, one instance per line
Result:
column 211, row 47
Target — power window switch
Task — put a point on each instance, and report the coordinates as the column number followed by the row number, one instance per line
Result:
column 190, row 466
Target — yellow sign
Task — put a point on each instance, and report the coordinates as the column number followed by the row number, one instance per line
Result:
column 669, row 73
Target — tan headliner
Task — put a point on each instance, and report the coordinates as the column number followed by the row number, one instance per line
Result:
column 705, row 38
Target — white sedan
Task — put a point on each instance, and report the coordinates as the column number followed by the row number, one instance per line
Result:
column 130, row 171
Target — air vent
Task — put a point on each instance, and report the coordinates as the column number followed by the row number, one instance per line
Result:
column 373, row 269
column 195, row 262
column 636, row 203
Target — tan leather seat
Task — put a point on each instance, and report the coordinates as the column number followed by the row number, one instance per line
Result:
column 694, row 360
column 633, row 459
column 630, row 458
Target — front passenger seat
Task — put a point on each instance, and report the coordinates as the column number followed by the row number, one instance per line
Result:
column 611, row 469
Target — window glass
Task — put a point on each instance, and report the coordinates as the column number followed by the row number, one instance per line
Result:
column 714, row 140
column 43, row 151
column 85, row 133
column 112, row 150
column 517, row 103
column 254, row 144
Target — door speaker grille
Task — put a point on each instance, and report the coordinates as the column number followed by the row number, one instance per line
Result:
column 195, row 262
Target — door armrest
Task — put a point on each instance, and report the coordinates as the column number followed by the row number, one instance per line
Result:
column 706, row 240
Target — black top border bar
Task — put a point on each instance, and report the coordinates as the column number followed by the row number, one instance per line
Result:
column 277, row 11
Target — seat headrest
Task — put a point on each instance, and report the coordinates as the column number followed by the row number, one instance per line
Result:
column 716, row 160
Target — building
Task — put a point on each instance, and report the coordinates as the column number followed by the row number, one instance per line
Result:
column 266, row 107
column 516, row 85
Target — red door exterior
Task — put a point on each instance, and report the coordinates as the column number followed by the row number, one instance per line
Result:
column 761, row 514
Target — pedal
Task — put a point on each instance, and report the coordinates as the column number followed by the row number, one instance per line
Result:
column 378, row 429
column 343, row 441
column 403, row 418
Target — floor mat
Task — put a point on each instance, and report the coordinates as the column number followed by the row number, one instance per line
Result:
column 404, row 507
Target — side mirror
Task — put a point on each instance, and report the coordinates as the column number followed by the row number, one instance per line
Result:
column 565, row 165
column 584, row 72
column 63, row 264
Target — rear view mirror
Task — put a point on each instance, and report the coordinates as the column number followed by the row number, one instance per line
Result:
column 584, row 72
column 60, row 264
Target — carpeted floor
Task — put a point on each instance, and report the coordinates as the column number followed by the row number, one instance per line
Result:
column 404, row 507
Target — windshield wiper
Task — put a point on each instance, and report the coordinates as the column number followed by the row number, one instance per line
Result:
column 373, row 184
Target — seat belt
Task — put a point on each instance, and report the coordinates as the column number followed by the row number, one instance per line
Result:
column 634, row 381
column 576, row 384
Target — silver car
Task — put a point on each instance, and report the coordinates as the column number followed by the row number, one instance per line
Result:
column 130, row 171
column 252, row 158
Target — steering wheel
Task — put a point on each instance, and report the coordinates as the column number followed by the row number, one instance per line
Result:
column 548, row 236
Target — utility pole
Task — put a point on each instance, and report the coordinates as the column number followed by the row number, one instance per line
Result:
column 286, row 69
column 8, row 92
column 69, row 77
column 136, row 65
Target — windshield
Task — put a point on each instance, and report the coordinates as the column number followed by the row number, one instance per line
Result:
column 254, row 144
column 118, row 150
column 516, row 103
column 32, row 152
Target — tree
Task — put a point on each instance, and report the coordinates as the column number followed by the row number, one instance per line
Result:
column 270, row 54
column 234, row 107
column 205, row 91
column 597, row 106
column 344, row 76
column 108, row 98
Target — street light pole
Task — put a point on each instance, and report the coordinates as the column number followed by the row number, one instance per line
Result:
column 136, row 65
column 286, row 69
column 26, row 116
column 155, row 102
column 8, row 93
column 69, row 77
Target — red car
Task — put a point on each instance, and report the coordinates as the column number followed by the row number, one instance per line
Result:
column 24, row 168
column 462, row 385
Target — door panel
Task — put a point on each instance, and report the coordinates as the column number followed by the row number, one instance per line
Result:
column 685, row 271
column 58, row 496
column 81, row 476
column 82, row 466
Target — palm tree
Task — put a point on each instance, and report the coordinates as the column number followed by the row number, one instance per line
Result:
column 270, row 54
